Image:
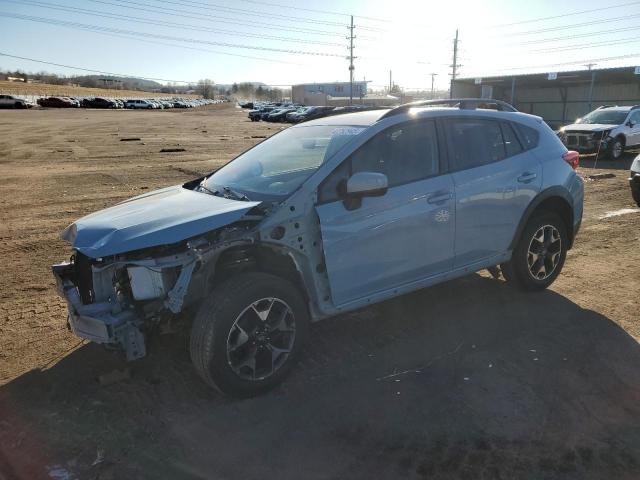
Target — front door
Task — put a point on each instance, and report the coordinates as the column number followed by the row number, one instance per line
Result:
column 397, row 238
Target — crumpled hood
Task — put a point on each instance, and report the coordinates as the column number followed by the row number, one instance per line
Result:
column 588, row 127
column 156, row 218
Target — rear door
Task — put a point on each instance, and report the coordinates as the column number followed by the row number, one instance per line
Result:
column 400, row 237
column 495, row 178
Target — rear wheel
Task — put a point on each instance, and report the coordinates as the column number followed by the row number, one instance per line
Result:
column 248, row 334
column 540, row 253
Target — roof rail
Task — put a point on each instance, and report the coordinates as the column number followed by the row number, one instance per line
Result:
column 605, row 106
column 461, row 103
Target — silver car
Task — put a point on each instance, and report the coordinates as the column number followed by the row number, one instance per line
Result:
column 608, row 129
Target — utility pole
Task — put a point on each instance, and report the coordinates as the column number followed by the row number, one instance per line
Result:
column 390, row 82
column 590, row 65
column 433, row 76
column 351, row 57
column 454, row 71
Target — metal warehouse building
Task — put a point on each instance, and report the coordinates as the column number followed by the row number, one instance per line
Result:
column 315, row 93
column 558, row 97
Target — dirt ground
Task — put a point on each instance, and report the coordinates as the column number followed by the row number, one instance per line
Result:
column 470, row 379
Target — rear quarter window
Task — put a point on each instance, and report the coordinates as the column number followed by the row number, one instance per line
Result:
column 528, row 136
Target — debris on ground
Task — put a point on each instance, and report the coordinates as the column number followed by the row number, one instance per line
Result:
column 617, row 213
column 600, row 176
column 99, row 457
column 172, row 150
column 131, row 139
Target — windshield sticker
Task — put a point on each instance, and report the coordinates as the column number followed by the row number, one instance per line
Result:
column 346, row 131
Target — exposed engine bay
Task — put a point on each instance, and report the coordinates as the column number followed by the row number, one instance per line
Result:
column 118, row 299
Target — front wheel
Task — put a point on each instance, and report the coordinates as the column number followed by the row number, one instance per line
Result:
column 616, row 149
column 247, row 335
column 540, row 253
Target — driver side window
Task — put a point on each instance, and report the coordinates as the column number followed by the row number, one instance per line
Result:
column 405, row 153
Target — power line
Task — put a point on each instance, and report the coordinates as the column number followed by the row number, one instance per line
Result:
column 568, row 48
column 207, row 50
column 94, row 71
column 540, row 19
column 162, row 37
column 253, row 13
column 565, row 27
column 579, row 35
column 315, row 10
column 577, row 62
column 218, row 19
column 192, row 27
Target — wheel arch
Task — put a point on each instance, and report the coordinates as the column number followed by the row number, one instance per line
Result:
column 554, row 199
column 274, row 260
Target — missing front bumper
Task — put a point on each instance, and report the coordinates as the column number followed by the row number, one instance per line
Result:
column 102, row 322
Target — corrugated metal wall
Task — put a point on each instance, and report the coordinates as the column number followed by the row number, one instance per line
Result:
column 548, row 102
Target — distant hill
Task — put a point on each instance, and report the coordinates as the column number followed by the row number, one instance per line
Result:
column 128, row 83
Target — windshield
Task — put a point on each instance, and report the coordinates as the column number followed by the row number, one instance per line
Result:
column 276, row 167
column 605, row 117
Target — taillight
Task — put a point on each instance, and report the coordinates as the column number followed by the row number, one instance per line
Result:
column 572, row 158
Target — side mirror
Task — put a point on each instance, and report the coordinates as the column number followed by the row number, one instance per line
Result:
column 631, row 123
column 359, row 185
column 367, row 184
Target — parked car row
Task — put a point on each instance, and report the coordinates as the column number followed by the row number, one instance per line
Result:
column 294, row 113
column 12, row 101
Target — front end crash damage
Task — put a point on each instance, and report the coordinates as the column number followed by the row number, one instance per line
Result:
column 118, row 300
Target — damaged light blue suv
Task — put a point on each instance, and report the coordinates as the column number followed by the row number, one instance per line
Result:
column 322, row 218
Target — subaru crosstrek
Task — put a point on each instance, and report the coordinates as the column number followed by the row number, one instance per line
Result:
column 609, row 130
column 322, row 218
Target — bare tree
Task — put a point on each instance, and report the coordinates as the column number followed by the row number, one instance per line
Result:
column 205, row 88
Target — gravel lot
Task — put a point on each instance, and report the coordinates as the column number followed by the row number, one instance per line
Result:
column 469, row 379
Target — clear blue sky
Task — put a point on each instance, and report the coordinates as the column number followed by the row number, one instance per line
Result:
column 193, row 39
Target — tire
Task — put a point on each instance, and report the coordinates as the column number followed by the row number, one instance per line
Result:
column 635, row 193
column 226, row 318
column 544, row 232
column 616, row 149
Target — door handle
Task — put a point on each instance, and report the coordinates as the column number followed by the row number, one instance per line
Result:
column 527, row 177
column 439, row 197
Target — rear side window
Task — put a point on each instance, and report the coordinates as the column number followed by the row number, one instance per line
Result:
column 635, row 117
column 511, row 142
column 528, row 135
column 475, row 142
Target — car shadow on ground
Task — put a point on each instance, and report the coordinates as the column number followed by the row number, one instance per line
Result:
column 469, row 379
column 603, row 163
